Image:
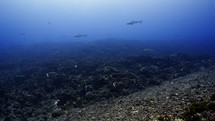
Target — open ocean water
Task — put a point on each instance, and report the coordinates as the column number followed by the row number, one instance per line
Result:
column 62, row 59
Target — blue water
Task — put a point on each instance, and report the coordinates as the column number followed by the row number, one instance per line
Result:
column 178, row 23
column 56, row 55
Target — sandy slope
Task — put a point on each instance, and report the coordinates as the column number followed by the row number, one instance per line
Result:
column 166, row 101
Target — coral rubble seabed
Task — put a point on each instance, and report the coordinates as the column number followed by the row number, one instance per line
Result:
column 178, row 87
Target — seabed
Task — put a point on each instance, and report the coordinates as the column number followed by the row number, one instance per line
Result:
column 104, row 82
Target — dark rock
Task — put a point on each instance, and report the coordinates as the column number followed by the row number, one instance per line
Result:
column 213, row 97
column 57, row 113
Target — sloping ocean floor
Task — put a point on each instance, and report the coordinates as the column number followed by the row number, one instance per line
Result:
column 102, row 81
column 188, row 98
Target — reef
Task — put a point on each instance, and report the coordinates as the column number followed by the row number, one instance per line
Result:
column 45, row 89
column 201, row 110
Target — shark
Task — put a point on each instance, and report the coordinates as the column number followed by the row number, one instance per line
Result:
column 134, row 22
column 80, row 35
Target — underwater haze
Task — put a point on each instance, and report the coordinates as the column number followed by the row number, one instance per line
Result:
column 30, row 21
column 84, row 60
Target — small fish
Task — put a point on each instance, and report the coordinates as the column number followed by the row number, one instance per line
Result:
column 22, row 33
column 47, row 75
column 80, row 35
